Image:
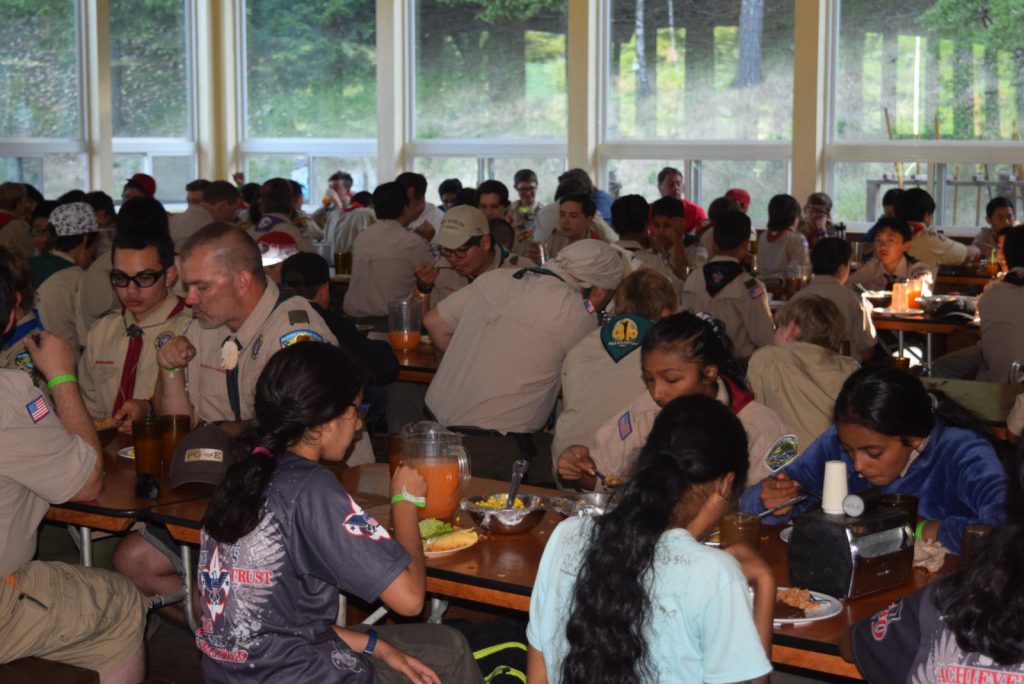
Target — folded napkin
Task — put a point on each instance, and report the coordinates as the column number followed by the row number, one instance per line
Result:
column 930, row 555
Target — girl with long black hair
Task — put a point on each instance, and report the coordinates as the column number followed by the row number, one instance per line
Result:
column 968, row 627
column 633, row 596
column 897, row 437
column 682, row 354
column 281, row 537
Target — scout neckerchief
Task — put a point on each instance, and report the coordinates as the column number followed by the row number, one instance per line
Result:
column 623, row 335
column 916, row 228
column 738, row 397
column 776, row 234
column 231, row 353
column 22, row 330
column 718, row 274
column 5, row 218
column 126, row 389
column 268, row 222
column 539, row 270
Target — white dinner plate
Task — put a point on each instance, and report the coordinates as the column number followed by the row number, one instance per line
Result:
column 827, row 607
column 887, row 311
column 448, row 552
column 127, row 452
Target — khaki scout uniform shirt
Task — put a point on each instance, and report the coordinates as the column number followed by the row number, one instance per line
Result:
column 188, row 222
column 774, row 256
column 56, row 301
column 42, row 464
column 800, row 382
column 985, row 240
column 268, row 328
column 342, row 234
column 16, row 355
column 384, row 261
column 16, row 236
column 649, row 259
column 860, row 330
column 102, row 363
column 742, row 306
column 619, row 440
column 936, row 250
column 872, row 275
column 1002, row 326
column 449, row 281
column 485, row 379
column 593, row 387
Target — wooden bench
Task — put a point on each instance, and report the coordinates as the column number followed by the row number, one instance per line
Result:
column 36, row 670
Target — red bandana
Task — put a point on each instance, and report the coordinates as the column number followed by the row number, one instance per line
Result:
column 773, row 236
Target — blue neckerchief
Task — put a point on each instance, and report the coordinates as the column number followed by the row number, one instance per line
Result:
column 20, row 332
column 718, row 274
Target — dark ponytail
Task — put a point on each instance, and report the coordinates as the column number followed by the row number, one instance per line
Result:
column 301, row 388
column 695, row 440
column 700, row 338
column 892, row 402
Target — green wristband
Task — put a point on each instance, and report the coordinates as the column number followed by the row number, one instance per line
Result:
column 58, row 379
column 170, row 370
column 417, row 501
column 919, row 535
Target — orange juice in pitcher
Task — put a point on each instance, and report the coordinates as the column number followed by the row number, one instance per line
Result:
column 441, row 459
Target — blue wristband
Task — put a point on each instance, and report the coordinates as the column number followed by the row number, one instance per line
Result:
column 371, row 643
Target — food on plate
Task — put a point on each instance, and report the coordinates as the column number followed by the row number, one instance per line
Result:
column 793, row 603
column 498, row 501
column 451, row 541
column 432, row 527
column 105, row 423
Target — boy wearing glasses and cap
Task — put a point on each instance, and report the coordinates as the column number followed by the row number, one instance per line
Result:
column 469, row 252
column 117, row 372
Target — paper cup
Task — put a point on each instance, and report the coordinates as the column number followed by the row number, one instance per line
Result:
column 835, row 487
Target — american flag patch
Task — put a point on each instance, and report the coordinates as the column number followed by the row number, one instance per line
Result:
column 38, row 409
column 625, row 426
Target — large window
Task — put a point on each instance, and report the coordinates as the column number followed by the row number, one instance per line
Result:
column 914, row 82
column 490, row 69
column 40, row 120
column 151, row 93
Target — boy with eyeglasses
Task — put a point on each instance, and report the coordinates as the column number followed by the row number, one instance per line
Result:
column 118, row 371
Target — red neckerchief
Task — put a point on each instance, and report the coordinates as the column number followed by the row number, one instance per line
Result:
column 738, row 397
column 773, row 236
column 126, row 388
column 5, row 218
column 915, row 228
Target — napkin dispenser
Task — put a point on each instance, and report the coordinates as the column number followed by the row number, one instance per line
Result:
column 847, row 557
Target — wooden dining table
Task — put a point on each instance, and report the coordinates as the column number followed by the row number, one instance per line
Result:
column 500, row 571
column 118, row 507
column 918, row 322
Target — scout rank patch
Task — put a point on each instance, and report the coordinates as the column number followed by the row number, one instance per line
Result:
column 624, row 334
column 256, row 347
column 295, row 336
column 162, row 340
column 783, row 452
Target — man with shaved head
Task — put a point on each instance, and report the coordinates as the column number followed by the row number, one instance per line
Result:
column 241, row 319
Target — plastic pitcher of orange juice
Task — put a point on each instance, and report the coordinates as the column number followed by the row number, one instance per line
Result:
column 442, row 461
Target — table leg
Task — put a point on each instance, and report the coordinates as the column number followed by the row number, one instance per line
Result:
column 899, row 335
column 927, row 370
column 190, row 614
column 85, row 540
column 437, row 609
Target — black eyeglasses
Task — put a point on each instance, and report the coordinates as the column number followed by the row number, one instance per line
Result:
column 361, row 411
column 462, row 251
column 143, row 279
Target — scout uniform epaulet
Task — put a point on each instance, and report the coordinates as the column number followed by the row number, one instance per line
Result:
column 623, row 335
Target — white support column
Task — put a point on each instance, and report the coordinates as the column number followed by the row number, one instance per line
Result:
column 810, row 120
column 583, row 68
column 394, row 85
column 96, row 117
column 217, row 87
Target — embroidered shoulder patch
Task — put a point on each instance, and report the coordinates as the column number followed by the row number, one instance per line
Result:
column 625, row 426
column 162, row 340
column 754, row 288
column 38, row 409
column 295, row 336
column 24, row 362
column 361, row 524
column 298, row 317
column 782, row 453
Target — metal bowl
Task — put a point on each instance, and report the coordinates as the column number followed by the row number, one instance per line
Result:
column 584, row 503
column 506, row 520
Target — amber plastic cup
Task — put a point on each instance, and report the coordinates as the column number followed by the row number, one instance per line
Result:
column 974, row 537
column 740, row 527
column 148, row 441
column 175, row 428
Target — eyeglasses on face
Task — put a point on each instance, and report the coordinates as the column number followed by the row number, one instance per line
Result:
column 142, row 279
column 462, row 251
column 361, row 410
